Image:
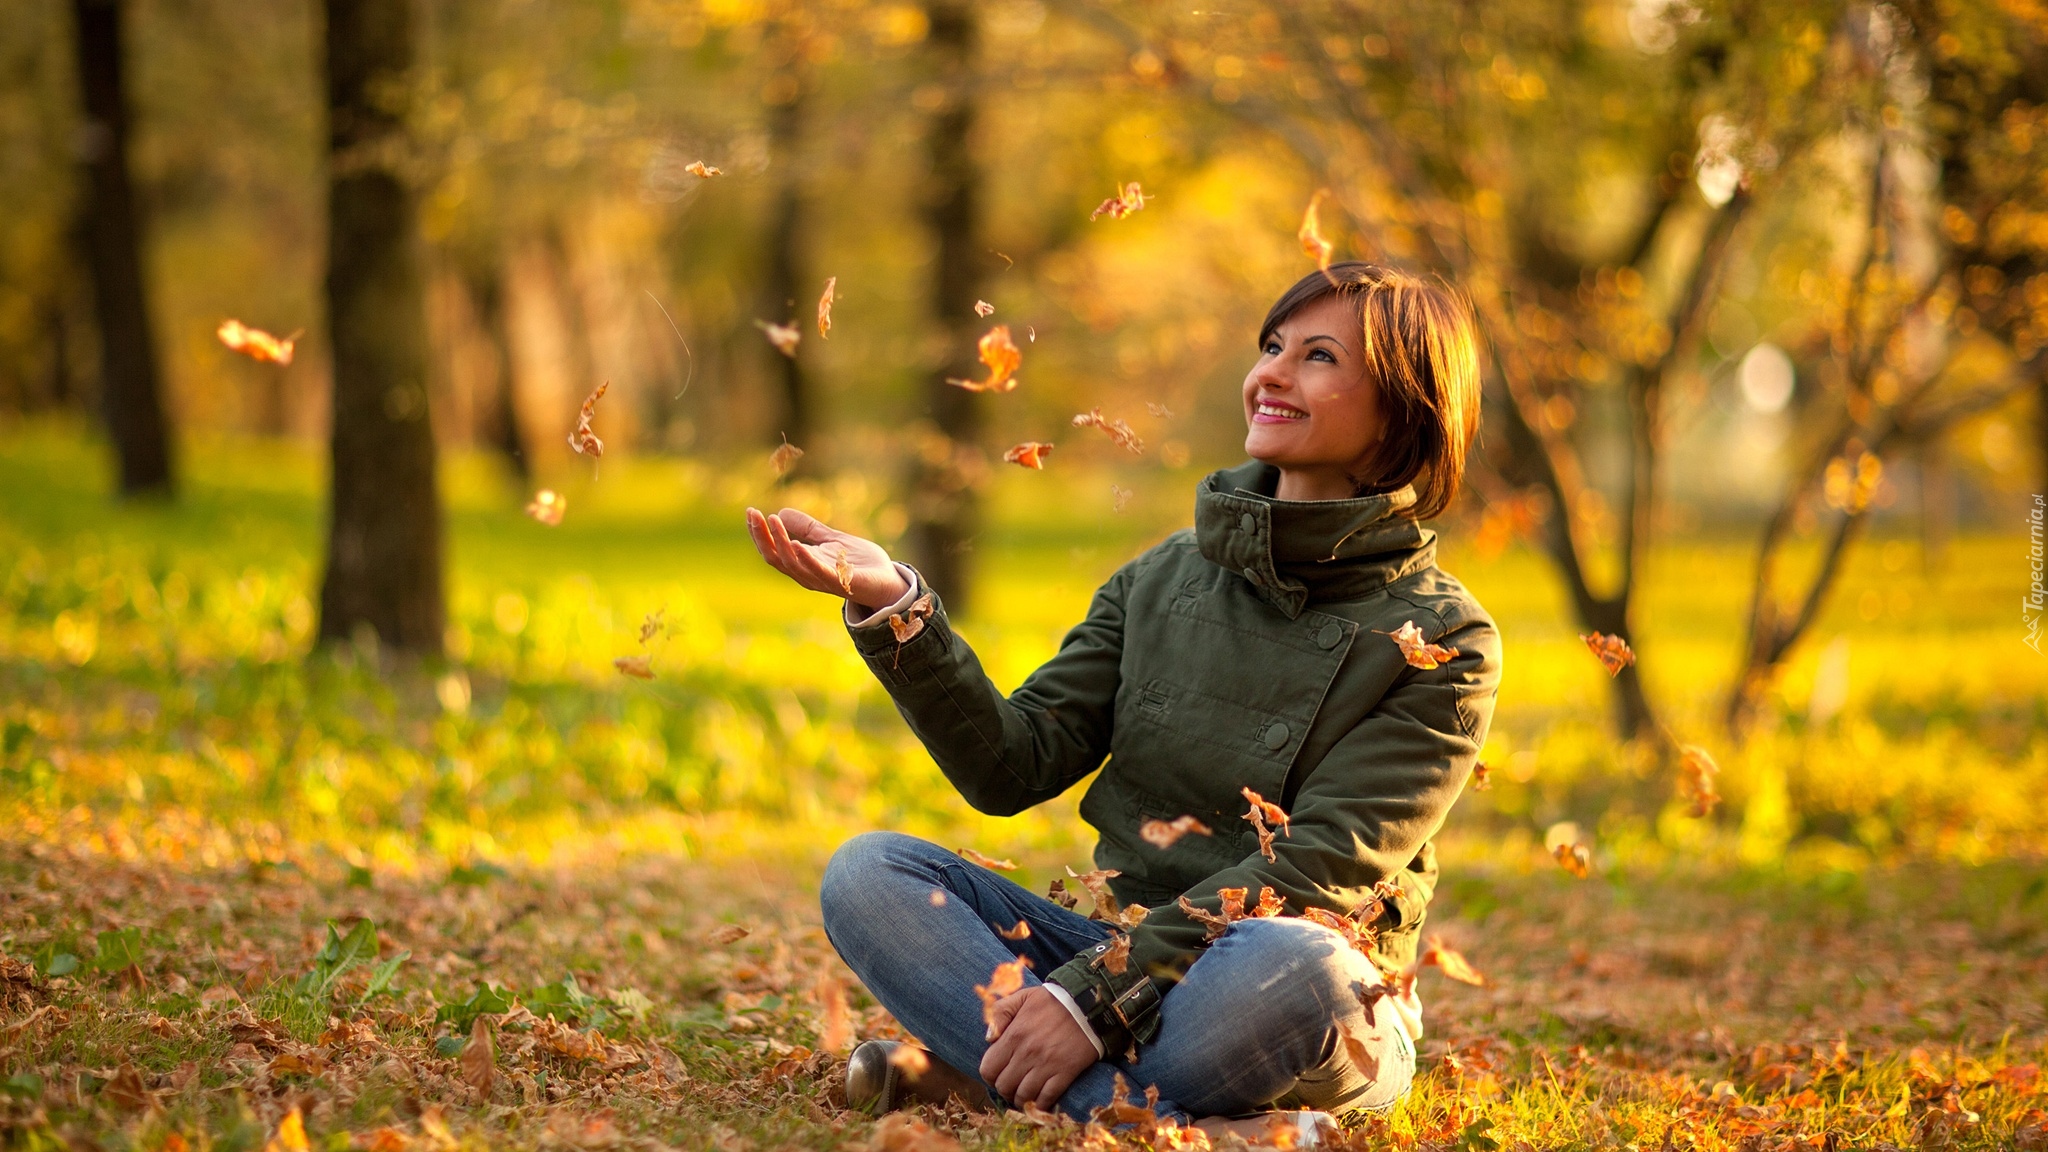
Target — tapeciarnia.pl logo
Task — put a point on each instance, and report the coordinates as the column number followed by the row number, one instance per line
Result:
column 2037, row 596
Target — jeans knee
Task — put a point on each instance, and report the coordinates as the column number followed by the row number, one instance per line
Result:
column 859, row 867
column 1303, row 964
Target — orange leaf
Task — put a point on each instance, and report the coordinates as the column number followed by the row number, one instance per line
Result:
column 291, row 1134
column 1118, row 959
column 255, row 343
column 825, row 308
column 1270, row 903
column 911, row 1060
column 784, row 457
column 1613, row 651
column 1418, row 652
column 1021, row 932
column 639, row 665
column 1001, row 356
column 1005, row 980
column 906, row 630
column 835, row 1029
column 1482, row 776
column 1128, row 199
column 1450, row 961
column 726, row 934
column 1031, row 454
column 973, row 857
column 1576, row 859
column 984, row 309
column 1210, row 921
column 701, row 170
column 547, row 506
column 1164, row 834
column 1311, row 234
column 1696, row 780
column 1265, row 816
column 583, row 440
column 1097, row 884
column 843, row 572
column 1116, row 430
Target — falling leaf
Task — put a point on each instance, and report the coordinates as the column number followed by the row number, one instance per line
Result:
column 1450, row 961
column 1311, row 234
column 583, row 440
column 1021, row 932
column 1159, row 410
column 701, row 170
column 1097, row 884
column 825, row 308
column 479, row 1057
column 1116, row 430
column 785, row 337
column 1613, row 651
column 1118, row 959
column 257, row 344
column 1031, row 333
column 1270, row 903
column 1265, row 816
column 639, row 665
column 973, row 857
column 1164, row 833
column 843, row 572
column 650, row 626
column 1132, row 915
column 909, row 623
column 835, row 1029
column 1576, row 858
column 1006, row 979
column 1482, row 776
column 1118, row 497
column 1363, row 1057
column 984, row 309
column 547, row 506
column 727, row 934
column 1231, row 901
column 911, row 1060
column 1127, row 200
column 1696, row 780
column 784, row 457
column 1213, row 923
column 1418, row 652
column 1058, row 894
column 291, row 1134
column 1001, row 356
column 1031, row 454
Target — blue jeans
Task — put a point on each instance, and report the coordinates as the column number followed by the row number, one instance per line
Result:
column 1254, row 1022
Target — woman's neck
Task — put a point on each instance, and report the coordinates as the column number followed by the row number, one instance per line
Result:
column 1314, row 484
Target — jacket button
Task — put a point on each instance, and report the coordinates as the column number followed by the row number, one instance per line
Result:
column 1276, row 736
column 1252, row 574
column 1328, row 637
column 1250, row 524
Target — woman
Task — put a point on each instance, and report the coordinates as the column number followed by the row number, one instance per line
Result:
column 1254, row 651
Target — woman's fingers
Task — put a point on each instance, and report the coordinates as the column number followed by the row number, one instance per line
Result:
column 806, row 527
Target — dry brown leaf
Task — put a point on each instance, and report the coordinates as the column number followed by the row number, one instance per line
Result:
column 1021, row 932
column 906, row 625
column 1613, row 652
column 1128, row 199
column 784, row 457
column 1212, row 924
column 825, row 308
column 911, row 1061
column 639, row 665
column 127, row 1091
column 1031, row 454
column 785, row 337
column 257, row 344
column 1117, row 960
column 1132, row 915
column 301, row 1063
column 1097, row 884
column 1265, row 816
column 1006, row 979
column 1167, row 833
column 727, row 934
column 385, row 1139
column 973, row 857
column 583, row 440
column 1696, row 780
column 1001, row 356
column 701, row 170
column 984, row 309
column 1311, row 234
column 1449, row 961
column 1417, row 651
column 651, row 624
column 480, row 1057
column 835, row 1028
column 1482, row 776
column 547, row 506
column 843, row 572
column 291, row 1134
column 1358, row 933
column 1576, row 859
column 1116, row 430
column 1270, row 903
column 1058, row 894
column 902, row 1132
column 1367, row 1063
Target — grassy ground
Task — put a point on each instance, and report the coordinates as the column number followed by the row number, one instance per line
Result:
column 1850, row 953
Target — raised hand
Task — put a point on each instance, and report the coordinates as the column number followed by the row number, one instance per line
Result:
column 824, row 559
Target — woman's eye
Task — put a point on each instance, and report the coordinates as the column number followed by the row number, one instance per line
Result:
column 1272, row 348
column 1322, row 354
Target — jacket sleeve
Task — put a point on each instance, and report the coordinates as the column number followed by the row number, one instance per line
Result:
column 1006, row 754
column 1383, row 790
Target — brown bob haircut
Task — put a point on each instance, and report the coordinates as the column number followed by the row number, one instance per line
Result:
column 1422, row 350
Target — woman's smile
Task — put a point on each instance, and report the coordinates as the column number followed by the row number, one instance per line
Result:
column 1274, row 412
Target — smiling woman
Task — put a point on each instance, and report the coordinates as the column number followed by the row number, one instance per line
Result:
column 1250, row 658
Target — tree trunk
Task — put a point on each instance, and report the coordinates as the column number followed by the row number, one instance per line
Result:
column 130, row 393
column 784, row 286
column 944, row 504
column 488, row 287
column 384, row 543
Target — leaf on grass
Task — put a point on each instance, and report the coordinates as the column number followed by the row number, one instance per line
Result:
column 127, row 1091
column 1613, row 652
column 902, row 1132
column 1167, row 833
column 1128, row 199
column 835, row 1028
column 984, row 309
column 1001, row 356
column 1575, row 858
column 639, row 665
column 480, row 1057
column 1021, row 932
column 547, row 506
column 701, row 170
column 785, row 337
column 727, row 934
column 583, row 440
column 911, row 1061
column 1116, row 430
column 1117, row 960
column 297, row 1063
column 1696, row 780
column 1006, row 979
column 1417, row 651
column 1311, row 234
column 973, row 857
column 1265, row 816
column 1097, row 884
column 257, row 344
column 784, row 457
column 825, row 308
column 1031, row 454
column 291, row 1134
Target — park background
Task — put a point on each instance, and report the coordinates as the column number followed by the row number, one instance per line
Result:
column 1764, row 303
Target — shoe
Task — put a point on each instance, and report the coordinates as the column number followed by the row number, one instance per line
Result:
column 874, row 1084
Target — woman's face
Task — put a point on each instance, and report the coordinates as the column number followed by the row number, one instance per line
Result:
column 1311, row 410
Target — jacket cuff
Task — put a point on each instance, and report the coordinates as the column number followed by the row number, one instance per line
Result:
column 1121, row 1009
column 892, row 660
column 880, row 616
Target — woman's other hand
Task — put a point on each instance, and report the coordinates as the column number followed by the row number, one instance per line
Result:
column 1039, row 1049
column 811, row 552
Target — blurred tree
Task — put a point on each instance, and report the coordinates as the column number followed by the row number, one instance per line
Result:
column 947, row 464
column 384, row 543
column 788, row 95
column 130, row 389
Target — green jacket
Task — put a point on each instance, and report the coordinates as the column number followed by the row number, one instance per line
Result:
column 1240, row 654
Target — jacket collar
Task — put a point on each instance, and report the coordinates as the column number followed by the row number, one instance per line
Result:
column 1294, row 552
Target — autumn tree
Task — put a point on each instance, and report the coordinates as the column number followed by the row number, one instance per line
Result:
column 384, row 542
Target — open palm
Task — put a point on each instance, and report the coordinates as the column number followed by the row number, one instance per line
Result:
column 824, row 559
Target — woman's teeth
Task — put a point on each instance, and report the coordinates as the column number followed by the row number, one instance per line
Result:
column 1278, row 412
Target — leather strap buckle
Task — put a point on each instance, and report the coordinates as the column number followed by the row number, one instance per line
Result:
column 1137, row 1002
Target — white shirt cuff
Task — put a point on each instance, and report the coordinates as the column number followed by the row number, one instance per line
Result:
column 1067, row 1001
column 900, row 606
